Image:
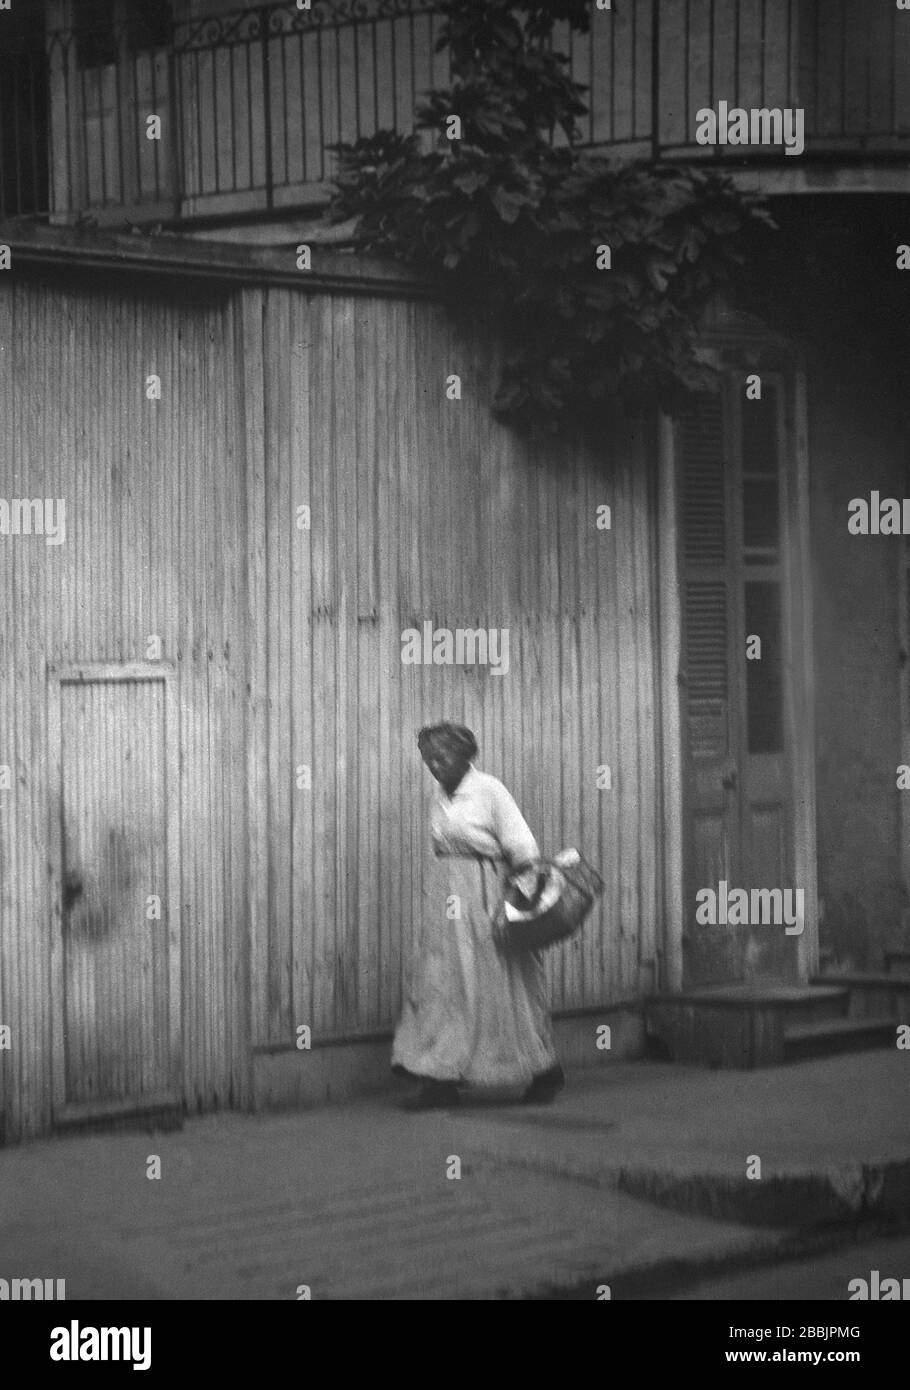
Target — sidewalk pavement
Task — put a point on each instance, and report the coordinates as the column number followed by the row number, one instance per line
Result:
column 833, row 1137
column 356, row 1201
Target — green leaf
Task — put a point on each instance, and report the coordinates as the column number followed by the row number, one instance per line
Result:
column 508, row 205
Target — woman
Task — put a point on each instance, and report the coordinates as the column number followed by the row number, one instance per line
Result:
column 475, row 1015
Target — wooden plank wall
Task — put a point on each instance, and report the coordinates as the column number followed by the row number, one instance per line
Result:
column 301, row 905
column 154, row 508
column 425, row 508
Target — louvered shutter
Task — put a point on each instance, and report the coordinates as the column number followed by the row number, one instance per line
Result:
column 709, row 634
column 705, row 582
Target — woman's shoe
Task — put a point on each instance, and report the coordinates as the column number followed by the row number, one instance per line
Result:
column 434, row 1095
column 543, row 1087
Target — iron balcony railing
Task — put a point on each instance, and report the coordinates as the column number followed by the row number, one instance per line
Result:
column 251, row 100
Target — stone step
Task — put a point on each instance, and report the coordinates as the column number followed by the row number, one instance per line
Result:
column 828, row 1036
column 739, row 1025
column 897, row 962
column 826, row 990
column 873, row 979
column 872, row 994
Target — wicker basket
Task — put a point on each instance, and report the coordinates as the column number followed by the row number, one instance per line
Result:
column 581, row 886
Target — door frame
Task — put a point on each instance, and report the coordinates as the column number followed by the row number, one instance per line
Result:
column 742, row 345
column 86, row 673
column 903, row 752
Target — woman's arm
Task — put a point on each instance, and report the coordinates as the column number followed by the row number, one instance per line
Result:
column 512, row 831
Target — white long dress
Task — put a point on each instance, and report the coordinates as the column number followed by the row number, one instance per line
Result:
column 473, row 1013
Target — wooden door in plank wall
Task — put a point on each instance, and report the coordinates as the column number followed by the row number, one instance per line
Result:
column 738, row 731
column 116, row 956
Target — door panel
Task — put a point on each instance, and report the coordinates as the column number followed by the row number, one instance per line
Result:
column 117, row 917
column 768, row 845
column 903, row 581
column 765, row 761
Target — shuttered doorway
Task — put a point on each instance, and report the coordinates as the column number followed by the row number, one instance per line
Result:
column 739, row 726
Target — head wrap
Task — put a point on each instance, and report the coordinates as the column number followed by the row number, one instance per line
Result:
column 456, row 735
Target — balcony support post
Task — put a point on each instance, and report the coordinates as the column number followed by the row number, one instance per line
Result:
column 264, row 15
column 655, row 79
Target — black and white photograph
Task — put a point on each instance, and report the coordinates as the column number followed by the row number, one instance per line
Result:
column 455, row 662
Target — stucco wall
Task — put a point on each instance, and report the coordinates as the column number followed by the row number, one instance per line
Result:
column 857, row 444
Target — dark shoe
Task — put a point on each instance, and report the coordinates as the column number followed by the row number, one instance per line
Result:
column 543, row 1088
column 434, row 1095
